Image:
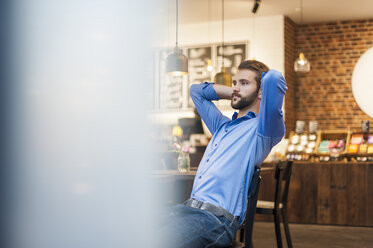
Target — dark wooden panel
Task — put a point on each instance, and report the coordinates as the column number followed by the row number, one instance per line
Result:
column 308, row 200
column 295, row 193
column 338, row 194
column 323, row 193
column 328, row 193
column 369, row 196
column 355, row 190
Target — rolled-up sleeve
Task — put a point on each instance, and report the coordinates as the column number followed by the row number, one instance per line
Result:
column 202, row 95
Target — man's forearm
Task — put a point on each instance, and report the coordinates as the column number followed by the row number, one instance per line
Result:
column 224, row 92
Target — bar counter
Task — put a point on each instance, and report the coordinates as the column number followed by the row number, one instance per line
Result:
column 335, row 193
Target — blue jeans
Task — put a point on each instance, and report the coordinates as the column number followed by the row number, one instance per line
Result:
column 188, row 227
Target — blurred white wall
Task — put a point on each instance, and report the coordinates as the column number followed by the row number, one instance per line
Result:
column 79, row 136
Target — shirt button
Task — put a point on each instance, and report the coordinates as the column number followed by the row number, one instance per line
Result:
column 216, row 145
column 199, row 177
column 207, row 160
column 226, row 130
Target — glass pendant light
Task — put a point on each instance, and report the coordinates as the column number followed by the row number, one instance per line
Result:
column 301, row 64
column 223, row 77
column 177, row 62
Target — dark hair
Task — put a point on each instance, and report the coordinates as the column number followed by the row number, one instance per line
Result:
column 255, row 66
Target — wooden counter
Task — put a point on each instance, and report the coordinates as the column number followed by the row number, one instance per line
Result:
column 333, row 193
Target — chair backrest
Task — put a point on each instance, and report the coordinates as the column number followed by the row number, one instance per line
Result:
column 252, row 198
column 282, row 176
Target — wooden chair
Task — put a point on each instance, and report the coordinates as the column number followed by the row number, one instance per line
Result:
column 247, row 227
column 279, row 205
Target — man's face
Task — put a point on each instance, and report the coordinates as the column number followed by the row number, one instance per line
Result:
column 245, row 90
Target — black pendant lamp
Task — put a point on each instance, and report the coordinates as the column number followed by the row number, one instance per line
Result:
column 177, row 62
column 223, row 77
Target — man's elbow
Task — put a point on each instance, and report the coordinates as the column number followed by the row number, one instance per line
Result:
column 274, row 77
column 195, row 90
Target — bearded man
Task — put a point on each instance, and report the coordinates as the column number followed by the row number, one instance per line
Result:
column 217, row 205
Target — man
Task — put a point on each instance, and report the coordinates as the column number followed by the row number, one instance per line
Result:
column 217, row 205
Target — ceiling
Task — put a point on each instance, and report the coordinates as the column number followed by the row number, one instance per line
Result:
column 192, row 11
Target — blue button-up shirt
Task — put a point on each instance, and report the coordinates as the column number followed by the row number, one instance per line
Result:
column 238, row 145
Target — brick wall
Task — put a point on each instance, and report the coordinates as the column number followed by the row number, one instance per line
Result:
column 325, row 94
column 290, row 55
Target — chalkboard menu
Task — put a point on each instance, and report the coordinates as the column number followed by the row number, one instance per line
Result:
column 234, row 54
column 198, row 58
column 173, row 91
column 170, row 87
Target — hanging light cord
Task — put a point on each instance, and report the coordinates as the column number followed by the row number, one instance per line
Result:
column 177, row 21
column 301, row 16
column 301, row 11
column 222, row 33
column 254, row 43
column 209, row 14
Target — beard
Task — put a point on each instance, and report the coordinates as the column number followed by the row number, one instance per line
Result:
column 243, row 102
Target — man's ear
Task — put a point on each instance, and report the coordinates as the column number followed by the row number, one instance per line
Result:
column 260, row 94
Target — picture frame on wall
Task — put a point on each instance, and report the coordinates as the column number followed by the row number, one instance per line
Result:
column 234, row 54
column 198, row 58
column 172, row 92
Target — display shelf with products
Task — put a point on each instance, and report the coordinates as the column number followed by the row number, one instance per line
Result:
column 332, row 145
column 360, row 148
column 301, row 146
column 302, row 143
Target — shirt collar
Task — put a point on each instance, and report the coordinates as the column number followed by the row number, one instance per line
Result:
column 249, row 115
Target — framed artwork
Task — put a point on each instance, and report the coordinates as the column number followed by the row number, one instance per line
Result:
column 198, row 58
column 172, row 92
column 197, row 64
column 234, row 54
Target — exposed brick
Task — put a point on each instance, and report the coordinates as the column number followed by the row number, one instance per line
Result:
column 325, row 94
column 290, row 56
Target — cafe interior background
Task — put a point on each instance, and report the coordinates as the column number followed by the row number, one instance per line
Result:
column 332, row 35
column 89, row 113
column 328, row 106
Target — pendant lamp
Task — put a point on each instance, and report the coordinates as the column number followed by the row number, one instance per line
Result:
column 177, row 62
column 223, row 77
column 301, row 64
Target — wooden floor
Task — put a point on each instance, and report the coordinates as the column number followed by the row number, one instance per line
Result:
column 307, row 236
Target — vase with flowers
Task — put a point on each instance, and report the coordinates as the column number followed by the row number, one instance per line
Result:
column 183, row 161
